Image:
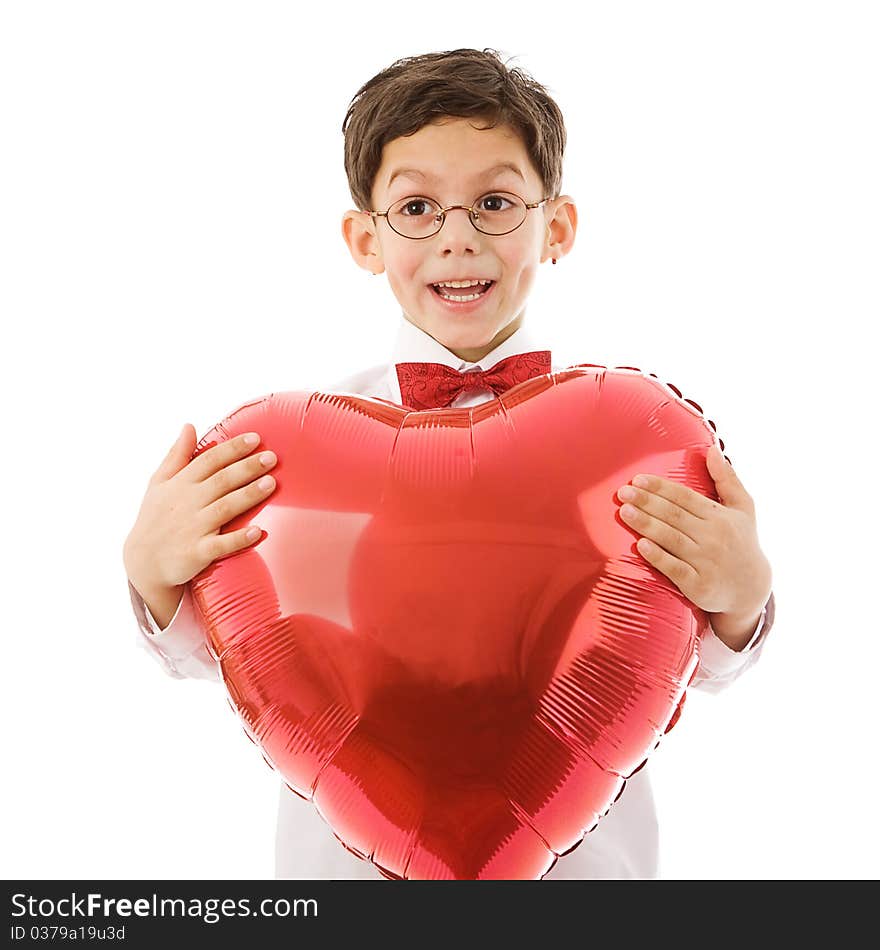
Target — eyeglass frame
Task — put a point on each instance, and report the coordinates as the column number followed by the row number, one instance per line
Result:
column 468, row 208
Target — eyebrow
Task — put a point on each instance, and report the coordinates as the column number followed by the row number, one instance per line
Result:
column 488, row 173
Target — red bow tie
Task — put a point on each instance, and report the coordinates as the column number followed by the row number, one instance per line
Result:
column 436, row 385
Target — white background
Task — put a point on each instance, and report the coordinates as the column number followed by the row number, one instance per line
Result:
column 172, row 187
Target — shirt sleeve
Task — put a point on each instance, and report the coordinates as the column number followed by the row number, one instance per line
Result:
column 720, row 666
column 181, row 648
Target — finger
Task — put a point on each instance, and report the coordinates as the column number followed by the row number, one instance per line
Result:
column 229, row 506
column 235, row 475
column 661, row 508
column 178, row 455
column 221, row 545
column 679, row 572
column 716, row 458
column 729, row 488
column 212, row 460
column 692, row 501
column 671, row 539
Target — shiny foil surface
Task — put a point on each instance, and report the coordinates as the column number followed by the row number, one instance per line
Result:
column 445, row 638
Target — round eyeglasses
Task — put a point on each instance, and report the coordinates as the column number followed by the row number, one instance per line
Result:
column 496, row 212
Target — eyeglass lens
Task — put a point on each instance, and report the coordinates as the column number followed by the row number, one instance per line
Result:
column 497, row 212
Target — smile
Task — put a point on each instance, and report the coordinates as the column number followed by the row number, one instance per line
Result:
column 462, row 302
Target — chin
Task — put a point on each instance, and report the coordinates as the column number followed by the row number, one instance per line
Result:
column 462, row 337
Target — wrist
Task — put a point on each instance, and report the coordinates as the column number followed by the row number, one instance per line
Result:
column 140, row 576
column 150, row 592
column 162, row 603
column 132, row 562
column 148, row 588
column 735, row 630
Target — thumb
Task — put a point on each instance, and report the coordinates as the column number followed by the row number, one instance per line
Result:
column 179, row 455
column 730, row 489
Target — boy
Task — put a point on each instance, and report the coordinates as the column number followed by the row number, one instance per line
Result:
column 462, row 158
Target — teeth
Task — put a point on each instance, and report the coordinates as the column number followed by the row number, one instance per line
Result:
column 461, row 298
column 462, row 283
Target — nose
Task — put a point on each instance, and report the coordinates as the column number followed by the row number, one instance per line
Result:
column 458, row 230
column 466, row 217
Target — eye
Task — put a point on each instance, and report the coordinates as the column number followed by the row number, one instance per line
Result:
column 416, row 203
column 493, row 198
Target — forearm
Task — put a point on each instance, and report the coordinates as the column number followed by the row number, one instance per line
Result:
column 181, row 646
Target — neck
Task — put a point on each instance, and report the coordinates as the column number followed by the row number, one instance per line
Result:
column 477, row 353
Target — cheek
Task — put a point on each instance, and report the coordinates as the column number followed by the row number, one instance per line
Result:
column 525, row 278
column 406, row 271
column 520, row 262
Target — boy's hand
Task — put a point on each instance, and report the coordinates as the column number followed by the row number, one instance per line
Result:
column 710, row 551
column 187, row 502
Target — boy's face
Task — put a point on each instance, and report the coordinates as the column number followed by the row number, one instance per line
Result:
column 454, row 155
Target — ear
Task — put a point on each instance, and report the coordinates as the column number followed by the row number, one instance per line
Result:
column 359, row 234
column 561, row 227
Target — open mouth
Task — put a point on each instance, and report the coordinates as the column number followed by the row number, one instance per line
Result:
column 462, row 298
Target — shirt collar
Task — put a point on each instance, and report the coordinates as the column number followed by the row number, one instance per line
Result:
column 413, row 345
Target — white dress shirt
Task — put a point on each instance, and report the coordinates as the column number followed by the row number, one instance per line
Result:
column 625, row 842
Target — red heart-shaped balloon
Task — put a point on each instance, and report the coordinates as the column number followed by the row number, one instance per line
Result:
column 446, row 639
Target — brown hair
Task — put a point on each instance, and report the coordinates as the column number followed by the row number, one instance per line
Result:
column 418, row 90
